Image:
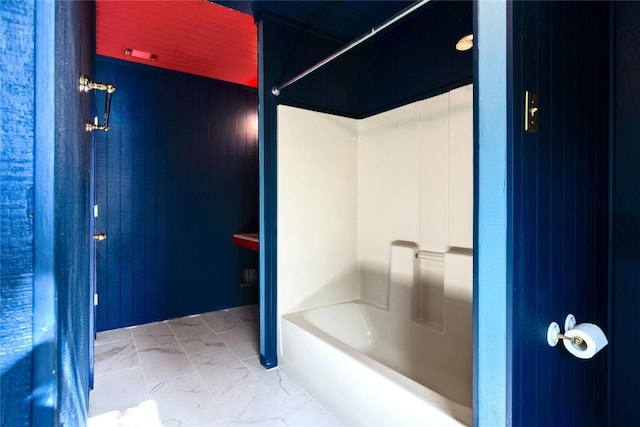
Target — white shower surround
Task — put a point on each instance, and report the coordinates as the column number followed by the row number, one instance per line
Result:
column 356, row 200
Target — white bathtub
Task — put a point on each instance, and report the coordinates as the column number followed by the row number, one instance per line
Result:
column 369, row 369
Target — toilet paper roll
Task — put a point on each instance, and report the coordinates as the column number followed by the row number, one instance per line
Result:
column 593, row 340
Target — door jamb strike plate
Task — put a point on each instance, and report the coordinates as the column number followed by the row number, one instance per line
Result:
column 530, row 112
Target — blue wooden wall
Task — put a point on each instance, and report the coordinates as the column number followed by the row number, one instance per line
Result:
column 625, row 336
column 411, row 60
column 285, row 50
column 380, row 75
column 559, row 209
column 177, row 176
column 16, row 233
column 402, row 65
column 72, row 207
column 45, row 212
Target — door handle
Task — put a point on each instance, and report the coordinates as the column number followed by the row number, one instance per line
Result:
column 99, row 237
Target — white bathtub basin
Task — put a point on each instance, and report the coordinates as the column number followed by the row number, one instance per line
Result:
column 370, row 369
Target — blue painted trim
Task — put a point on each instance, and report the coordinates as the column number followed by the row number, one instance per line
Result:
column 512, row 125
column 476, row 170
column 268, row 363
column 490, row 274
column 92, row 221
column 92, row 255
column 268, row 186
column 45, row 334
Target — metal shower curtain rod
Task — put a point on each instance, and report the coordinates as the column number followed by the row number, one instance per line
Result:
column 417, row 5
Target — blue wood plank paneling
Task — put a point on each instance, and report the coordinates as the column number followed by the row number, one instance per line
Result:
column 47, row 224
column 74, row 36
column 177, row 176
column 415, row 59
column 17, row 71
column 560, row 213
column 46, row 348
column 625, row 336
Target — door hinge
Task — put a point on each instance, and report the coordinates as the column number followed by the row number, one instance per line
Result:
column 95, row 211
column 95, row 299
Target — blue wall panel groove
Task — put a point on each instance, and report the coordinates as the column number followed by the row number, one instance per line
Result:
column 177, row 176
column 560, row 213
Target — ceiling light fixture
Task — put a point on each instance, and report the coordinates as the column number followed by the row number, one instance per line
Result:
column 465, row 43
column 140, row 54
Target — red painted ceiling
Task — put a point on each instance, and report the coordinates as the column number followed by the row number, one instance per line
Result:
column 190, row 36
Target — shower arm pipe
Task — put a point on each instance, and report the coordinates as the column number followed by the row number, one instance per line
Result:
column 395, row 18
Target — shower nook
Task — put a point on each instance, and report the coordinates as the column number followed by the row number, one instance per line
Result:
column 367, row 216
column 375, row 266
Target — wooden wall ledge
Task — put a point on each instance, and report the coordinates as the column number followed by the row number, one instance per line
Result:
column 249, row 241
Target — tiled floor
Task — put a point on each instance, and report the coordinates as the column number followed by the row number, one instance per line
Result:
column 200, row 370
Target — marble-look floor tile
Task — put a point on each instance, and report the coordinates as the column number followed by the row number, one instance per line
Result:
column 249, row 315
column 273, row 422
column 279, row 384
column 106, row 337
column 183, row 322
column 246, row 312
column 253, row 363
column 303, row 411
column 250, row 402
column 119, row 392
column 152, row 335
column 214, row 355
column 164, row 361
column 220, row 369
column 195, row 339
column 243, row 343
column 222, row 321
column 184, row 401
column 192, row 366
column 142, row 415
column 115, row 356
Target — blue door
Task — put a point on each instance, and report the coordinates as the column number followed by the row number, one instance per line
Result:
column 559, row 209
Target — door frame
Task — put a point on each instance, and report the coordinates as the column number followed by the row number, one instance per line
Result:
column 92, row 255
column 492, row 248
column 45, row 289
